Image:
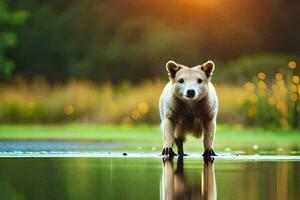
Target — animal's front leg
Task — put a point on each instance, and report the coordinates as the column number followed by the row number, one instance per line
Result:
column 209, row 137
column 168, row 131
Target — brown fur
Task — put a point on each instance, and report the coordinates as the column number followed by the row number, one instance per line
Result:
column 181, row 114
column 190, row 117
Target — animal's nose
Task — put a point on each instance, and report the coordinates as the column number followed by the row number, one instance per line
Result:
column 190, row 93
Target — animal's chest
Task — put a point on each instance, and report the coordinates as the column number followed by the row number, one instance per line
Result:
column 190, row 121
column 189, row 117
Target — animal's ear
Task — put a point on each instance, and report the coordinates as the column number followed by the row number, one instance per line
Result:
column 172, row 68
column 208, row 68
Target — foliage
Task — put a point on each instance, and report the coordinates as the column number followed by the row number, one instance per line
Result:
column 8, row 38
column 39, row 102
column 243, row 68
column 132, row 40
column 119, row 43
column 274, row 102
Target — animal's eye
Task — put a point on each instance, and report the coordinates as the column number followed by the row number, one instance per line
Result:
column 199, row 80
column 181, row 80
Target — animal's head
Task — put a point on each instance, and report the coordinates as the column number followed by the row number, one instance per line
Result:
column 190, row 84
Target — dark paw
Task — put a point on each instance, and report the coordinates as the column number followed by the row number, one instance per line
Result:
column 182, row 155
column 168, row 153
column 208, row 155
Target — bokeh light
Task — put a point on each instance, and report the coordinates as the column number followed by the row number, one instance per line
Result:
column 292, row 64
column 135, row 114
column 294, row 97
column 249, row 86
column 278, row 76
column 295, row 79
column 143, row 107
column 261, row 85
column 69, row 109
column 261, row 75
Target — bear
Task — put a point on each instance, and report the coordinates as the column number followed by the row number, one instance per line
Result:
column 188, row 104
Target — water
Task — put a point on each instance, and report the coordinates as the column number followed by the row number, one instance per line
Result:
column 83, row 170
column 147, row 178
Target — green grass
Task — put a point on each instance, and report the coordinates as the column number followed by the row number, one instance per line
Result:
column 147, row 137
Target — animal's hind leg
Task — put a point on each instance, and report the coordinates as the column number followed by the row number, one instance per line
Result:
column 179, row 144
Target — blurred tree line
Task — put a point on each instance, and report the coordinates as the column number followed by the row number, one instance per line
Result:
column 132, row 40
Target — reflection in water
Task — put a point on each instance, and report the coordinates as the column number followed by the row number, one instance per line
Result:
column 142, row 178
column 175, row 185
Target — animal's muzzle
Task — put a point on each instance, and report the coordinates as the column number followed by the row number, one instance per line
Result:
column 190, row 93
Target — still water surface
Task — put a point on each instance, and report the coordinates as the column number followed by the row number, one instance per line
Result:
column 147, row 178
